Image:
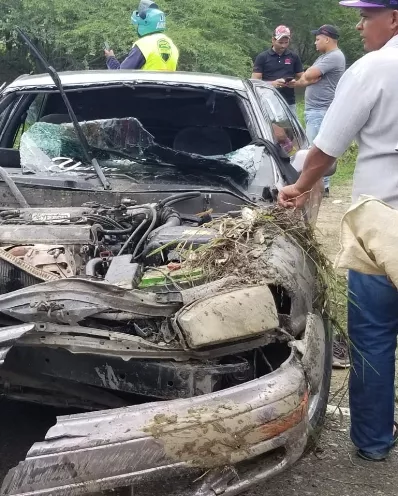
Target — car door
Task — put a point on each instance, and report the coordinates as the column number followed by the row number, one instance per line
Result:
column 290, row 136
column 287, row 131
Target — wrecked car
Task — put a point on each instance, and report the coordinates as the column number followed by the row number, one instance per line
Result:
column 148, row 282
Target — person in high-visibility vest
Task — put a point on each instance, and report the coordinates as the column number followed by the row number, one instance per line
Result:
column 153, row 51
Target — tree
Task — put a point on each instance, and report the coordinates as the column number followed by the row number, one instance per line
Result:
column 221, row 36
column 306, row 15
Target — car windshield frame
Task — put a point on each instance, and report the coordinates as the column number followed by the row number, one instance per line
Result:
column 244, row 98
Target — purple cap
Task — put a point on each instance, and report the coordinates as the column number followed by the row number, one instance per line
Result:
column 369, row 4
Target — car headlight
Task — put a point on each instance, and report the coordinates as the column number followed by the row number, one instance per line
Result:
column 230, row 316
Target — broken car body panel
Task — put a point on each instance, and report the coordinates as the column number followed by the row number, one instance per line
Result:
column 216, row 382
column 91, row 453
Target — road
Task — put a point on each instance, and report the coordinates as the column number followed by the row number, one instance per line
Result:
column 333, row 470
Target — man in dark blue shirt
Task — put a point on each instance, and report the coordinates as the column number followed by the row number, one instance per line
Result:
column 278, row 63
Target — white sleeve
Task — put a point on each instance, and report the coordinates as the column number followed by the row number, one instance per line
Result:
column 349, row 112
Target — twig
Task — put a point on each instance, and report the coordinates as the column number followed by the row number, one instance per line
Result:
column 302, row 194
column 354, row 464
column 266, row 360
column 351, row 483
column 201, row 476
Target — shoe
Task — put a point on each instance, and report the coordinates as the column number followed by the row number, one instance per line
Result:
column 341, row 355
column 326, row 193
column 372, row 457
column 380, row 456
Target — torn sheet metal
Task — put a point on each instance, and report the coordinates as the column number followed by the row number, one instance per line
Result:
column 9, row 336
column 281, row 261
column 121, row 345
column 312, row 350
column 69, row 301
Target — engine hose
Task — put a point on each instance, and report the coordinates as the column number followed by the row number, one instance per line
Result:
column 144, row 211
column 178, row 197
column 13, row 188
column 124, row 247
column 92, row 265
column 115, row 232
column 148, row 231
column 168, row 218
column 100, row 219
column 10, row 213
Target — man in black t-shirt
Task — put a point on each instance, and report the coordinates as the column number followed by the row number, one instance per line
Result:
column 279, row 65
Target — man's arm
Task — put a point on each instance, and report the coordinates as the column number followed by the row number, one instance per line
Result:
column 315, row 167
column 134, row 60
column 346, row 116
column 299, row 71
column 310, row 76
column 321, row 67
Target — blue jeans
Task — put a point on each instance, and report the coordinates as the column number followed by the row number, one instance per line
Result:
column 293, row 108
column 313, row 121
column 373, row 329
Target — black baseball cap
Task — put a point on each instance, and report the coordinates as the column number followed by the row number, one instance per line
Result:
column 327, row 30
column 369, row 4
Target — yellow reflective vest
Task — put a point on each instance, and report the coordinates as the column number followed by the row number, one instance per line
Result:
column 159, row 51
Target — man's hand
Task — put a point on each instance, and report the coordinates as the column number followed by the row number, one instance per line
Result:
column 292, row 197
column 279, row 83
column 291, row 84
column 109, row 53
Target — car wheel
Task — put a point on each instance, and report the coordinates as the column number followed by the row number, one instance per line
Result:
column 318, row 403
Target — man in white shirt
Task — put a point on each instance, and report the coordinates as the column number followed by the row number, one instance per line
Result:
column 365, row 109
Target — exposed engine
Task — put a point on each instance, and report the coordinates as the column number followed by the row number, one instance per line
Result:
column 117, row 244
column 108, row 301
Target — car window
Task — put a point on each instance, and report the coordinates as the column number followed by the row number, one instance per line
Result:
column 30, row 117
column 5, row 105
column 284, row 130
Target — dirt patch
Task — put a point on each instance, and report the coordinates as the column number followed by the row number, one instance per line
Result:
column 334, row 470
column 330, row 215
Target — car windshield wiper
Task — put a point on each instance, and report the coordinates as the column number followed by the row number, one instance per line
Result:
column 231, row 185
column 152, row 160
column 166, row 157
column 57, row 81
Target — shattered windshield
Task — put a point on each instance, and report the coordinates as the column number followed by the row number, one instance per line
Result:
column 125, row 143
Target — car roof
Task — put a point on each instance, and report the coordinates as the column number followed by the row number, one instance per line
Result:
column 83, row 78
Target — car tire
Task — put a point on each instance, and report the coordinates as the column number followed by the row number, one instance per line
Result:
column 318, row 416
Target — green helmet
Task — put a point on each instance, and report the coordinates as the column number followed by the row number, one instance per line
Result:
column 148, row 18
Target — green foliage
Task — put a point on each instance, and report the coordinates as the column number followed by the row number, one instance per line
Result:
column 346, row 166
column 221, row 36
column 306, row 15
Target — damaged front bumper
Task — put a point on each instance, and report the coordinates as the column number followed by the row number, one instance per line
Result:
column 218, row 443
column 221, row 442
